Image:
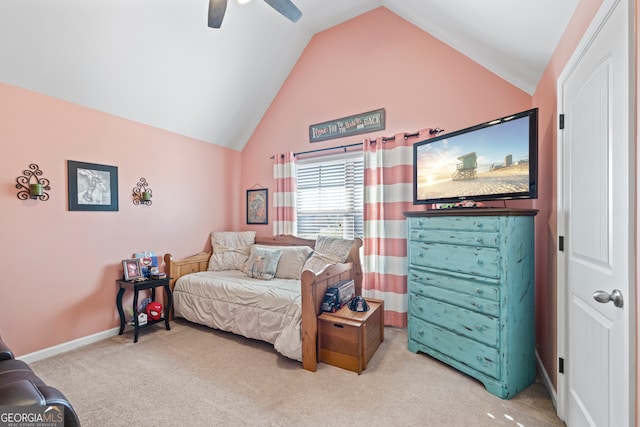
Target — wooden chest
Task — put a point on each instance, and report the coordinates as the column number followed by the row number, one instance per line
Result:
column 349, row 339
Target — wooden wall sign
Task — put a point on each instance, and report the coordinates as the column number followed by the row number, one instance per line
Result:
column 353, row 125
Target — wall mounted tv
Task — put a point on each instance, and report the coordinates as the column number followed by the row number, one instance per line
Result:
column 496, row 160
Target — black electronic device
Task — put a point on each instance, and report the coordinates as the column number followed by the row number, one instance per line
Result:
column 496, row 160
column 358, row 304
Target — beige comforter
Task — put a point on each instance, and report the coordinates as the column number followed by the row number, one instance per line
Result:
column 268, row 310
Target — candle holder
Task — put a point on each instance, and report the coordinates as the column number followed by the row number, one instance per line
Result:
column 32, row 185
column 142, row 193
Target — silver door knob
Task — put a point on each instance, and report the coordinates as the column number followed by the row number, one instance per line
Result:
column 604, row 297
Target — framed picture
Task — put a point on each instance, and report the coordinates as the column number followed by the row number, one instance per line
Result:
column 132, row 268
column 92, row 187
column 257, row 206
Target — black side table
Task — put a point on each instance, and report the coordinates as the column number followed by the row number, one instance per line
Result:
column 136, row 287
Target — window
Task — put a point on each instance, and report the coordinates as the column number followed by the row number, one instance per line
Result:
column 330, row 196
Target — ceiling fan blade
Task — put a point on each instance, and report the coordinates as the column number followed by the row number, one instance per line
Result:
column 286, row 8
column 217, row 8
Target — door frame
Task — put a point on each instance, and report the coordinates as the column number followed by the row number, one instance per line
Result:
column 631, row 300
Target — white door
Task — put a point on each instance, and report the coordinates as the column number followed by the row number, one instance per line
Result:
column 596, row 213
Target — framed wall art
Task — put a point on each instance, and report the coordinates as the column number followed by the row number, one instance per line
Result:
column 132, row 268
column 92, row 187
column 257, row 206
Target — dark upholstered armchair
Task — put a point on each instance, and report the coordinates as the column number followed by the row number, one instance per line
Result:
column 20, row 386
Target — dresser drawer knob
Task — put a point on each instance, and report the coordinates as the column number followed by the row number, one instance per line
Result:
column 479, row 261
column 479, row 328
column 479, row 291
column 479, row 240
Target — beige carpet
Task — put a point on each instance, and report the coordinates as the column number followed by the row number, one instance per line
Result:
column 195, row 376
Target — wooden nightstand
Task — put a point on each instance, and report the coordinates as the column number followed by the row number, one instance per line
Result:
column 348, row 339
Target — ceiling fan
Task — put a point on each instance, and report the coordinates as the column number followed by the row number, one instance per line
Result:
column 217, row 8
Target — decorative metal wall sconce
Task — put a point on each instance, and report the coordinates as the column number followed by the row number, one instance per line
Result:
column 31, row 185
column 142, row 193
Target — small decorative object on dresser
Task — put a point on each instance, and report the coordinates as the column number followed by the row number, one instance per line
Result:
column 471, row 293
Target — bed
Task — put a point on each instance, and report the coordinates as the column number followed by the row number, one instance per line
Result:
column 282, row 310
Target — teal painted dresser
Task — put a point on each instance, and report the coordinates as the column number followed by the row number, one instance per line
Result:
column 471, row 293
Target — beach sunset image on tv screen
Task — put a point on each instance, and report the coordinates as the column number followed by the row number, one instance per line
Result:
column 488, row 162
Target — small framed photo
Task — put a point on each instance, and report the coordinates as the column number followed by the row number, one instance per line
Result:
column 258, row 206
column 132, row 269
column 92, row 187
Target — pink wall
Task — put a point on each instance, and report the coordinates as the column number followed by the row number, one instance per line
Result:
column 545, row 98
column 376, row 60
column 60, row 266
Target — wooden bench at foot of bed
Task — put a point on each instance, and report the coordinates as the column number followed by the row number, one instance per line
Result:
column 313, row 286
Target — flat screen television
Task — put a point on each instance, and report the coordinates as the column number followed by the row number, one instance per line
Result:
column 496, row 160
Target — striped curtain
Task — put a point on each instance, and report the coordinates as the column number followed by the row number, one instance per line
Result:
column 284, row 199
column 388, row 192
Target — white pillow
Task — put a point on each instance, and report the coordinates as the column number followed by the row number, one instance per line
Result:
column 328, row 251
column 230, row 249
column 262, row 263
column 334, row 247
column 291, row 261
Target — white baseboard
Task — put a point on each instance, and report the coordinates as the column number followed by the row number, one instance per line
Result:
column 547, row 382
column 68, row 346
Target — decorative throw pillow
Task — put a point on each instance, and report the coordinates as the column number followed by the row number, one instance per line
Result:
column 230, row 249
column 328, row 250
column 334, row 247
column 291, row 261
column 262, row 263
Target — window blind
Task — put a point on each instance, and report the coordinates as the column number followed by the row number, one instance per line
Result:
column 330, row 197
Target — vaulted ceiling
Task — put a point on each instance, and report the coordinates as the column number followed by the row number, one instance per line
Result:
column 157, row 62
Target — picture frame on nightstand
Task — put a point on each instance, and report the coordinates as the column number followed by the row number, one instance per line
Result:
column 132, row 269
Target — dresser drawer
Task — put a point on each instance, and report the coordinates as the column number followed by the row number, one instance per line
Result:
column 459, row 223
column 472, row 353
column 469, row 286
column 469, row 238
column 470, row 302
column 465, row 259
column 477, row 326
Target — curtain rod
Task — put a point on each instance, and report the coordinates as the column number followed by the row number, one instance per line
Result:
column 340, row 147
column 344, row 147
column 373, row 141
